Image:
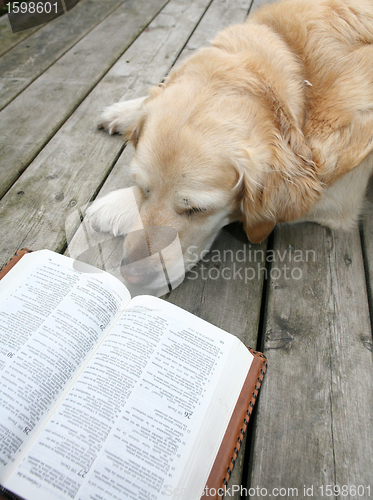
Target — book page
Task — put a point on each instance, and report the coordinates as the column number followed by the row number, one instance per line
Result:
column 52, row 317
column 160, row 389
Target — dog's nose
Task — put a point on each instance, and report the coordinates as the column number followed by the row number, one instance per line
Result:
column 142, row 262
column 140, row 273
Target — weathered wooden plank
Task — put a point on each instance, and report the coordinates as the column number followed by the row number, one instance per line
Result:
column 30, row 58
column 8, row 39
column 314, row 417
column 31, row 119
column 70, row 169
column 257, row 4
column 220, row 15
column 367, row 241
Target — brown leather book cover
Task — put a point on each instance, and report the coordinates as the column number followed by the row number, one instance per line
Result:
column 230, row 446
column 13, row 261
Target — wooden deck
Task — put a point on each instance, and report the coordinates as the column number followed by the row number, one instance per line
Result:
column 303, row 297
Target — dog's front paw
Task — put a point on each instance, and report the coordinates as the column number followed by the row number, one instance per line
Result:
column 112, row 118
column 120, row 117
column 116, row 213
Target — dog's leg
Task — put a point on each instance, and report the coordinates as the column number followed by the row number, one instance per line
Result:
column 121, row 116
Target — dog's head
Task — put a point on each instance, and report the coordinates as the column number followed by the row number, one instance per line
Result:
column 216, row 144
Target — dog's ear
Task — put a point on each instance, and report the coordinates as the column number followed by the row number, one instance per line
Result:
column 260, row 232
column 287, row 190
column 289, row 184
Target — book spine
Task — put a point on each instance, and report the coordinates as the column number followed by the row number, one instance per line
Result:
column 247, row 417
column 226, row 458
column 7, row 495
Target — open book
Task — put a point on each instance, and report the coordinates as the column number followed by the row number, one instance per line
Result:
column 104, row 397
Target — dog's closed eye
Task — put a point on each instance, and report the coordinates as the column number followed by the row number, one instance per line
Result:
column 194, row 210
column 189, row 209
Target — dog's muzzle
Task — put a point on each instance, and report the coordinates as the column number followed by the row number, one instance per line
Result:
column 150, row 254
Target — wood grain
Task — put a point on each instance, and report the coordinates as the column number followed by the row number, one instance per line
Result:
column 8, row 39
column 314, row 414
column 32, row 118
column 32, row 56
column 367, row 242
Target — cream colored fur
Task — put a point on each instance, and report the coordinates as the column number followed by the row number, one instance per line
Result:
column 273, row 123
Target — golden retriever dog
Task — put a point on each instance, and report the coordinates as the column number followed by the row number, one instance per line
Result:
column 272, row 123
